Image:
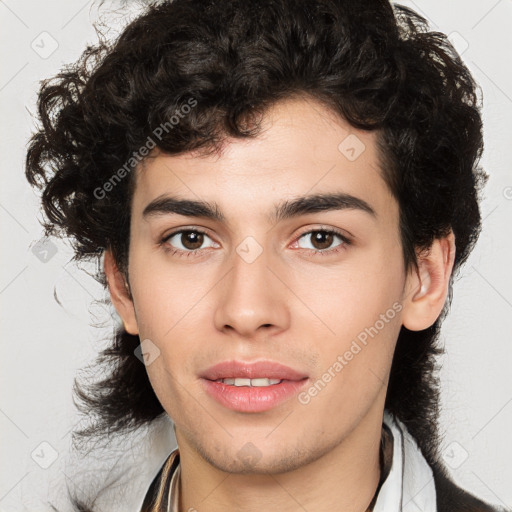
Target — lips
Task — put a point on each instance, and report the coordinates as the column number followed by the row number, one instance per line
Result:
column 256, row 370
column 248, row 398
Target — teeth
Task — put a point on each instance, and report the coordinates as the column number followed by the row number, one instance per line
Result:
column 250, row 382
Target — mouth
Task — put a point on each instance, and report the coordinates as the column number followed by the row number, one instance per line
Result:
column 252, row 387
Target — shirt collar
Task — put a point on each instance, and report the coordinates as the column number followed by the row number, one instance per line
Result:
column 410, row 485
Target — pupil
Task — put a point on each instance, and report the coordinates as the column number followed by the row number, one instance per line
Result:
column 322, row 235
column 192, row 240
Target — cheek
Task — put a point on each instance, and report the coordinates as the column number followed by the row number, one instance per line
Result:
column 354, row 368
column 166, row 317
column 164, row 294
column 360, row 310
column 170, row 372
column 352, row 297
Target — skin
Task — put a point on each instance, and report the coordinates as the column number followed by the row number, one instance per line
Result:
column 289, row 305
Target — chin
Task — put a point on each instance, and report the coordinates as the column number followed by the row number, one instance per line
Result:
column 252, row 457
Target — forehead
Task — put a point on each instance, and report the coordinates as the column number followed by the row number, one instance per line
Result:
column 303, row 148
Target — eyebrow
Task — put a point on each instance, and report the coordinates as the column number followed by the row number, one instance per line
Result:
column 165, row 205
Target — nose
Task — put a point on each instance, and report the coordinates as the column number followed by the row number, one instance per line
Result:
column 252, row 297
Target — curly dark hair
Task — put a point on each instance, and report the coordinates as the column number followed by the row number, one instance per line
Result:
column 377, row 66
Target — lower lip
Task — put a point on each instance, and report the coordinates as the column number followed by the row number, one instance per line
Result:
column 253, row 399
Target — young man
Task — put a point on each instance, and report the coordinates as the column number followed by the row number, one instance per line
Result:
column 281, row 192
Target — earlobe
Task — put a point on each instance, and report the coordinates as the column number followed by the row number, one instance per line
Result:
column 427, row 286
column 120, row 293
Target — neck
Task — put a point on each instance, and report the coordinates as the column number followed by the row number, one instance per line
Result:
column 345, row 477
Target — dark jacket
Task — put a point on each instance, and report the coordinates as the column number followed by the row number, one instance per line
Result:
column 451, row 498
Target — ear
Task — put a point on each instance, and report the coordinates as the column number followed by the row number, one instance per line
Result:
column 427, row 286
column 120, row 293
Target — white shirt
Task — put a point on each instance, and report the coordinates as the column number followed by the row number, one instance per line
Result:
column 410, row 485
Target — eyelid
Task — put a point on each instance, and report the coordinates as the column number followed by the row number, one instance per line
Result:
column 344, row 234
column 186, row 228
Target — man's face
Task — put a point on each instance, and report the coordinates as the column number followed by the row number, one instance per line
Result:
column 253, row 289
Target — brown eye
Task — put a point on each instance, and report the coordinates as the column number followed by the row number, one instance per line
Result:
column 188, row 241
column 321, row 241
column 191, row 240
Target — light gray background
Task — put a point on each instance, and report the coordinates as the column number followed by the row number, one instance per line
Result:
column 44, row 344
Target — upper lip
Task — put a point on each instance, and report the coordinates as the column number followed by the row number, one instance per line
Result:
column 258, row 369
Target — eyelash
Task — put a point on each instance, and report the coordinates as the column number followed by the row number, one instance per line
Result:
column 187, row 254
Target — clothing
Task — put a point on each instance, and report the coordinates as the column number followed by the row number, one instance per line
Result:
column 407, row 483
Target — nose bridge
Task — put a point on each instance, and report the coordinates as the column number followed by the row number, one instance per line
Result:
column 250, row 296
